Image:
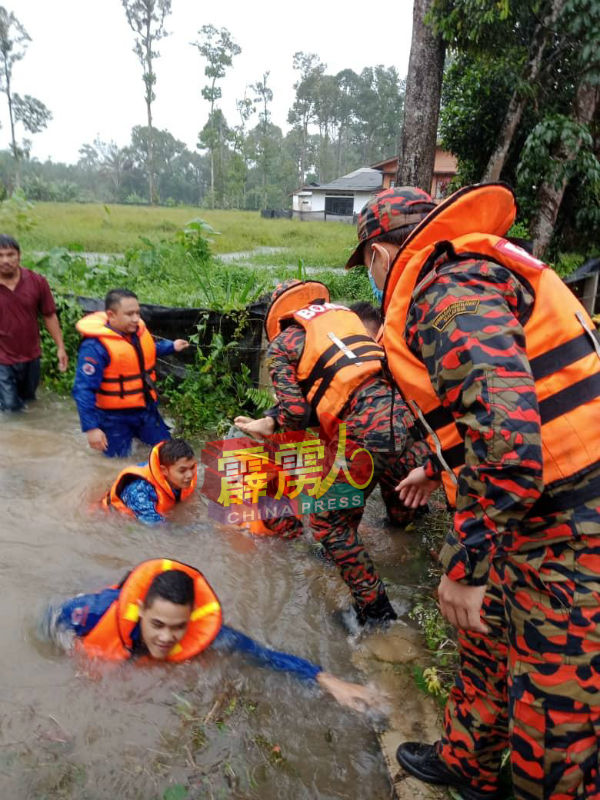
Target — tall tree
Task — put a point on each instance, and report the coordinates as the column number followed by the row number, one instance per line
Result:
column 218, row 48
column 263, row 95
column 541, row 71
column 422, row 104
column 303, row 112
column 543, row 33
column 30, row 112
column 146, row 19
column 574, row 139
column 345, row 113
column 238, row 173
column 214, row 136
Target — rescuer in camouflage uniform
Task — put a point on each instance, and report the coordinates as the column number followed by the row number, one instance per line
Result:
column 395, row 452
column 530, row 665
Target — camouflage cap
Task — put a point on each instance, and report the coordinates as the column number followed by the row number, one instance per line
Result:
column 389, row 210
column 290, row 296
column 283, row 287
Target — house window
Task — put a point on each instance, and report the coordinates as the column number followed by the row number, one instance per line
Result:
column 339, row 206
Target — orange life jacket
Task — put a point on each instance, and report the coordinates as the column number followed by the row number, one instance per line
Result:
column 562, row 347
column 338, row 357
column 111, row 640
column 129, row 378
column 150, row 472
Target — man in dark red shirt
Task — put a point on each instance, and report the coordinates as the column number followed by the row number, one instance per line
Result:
column 24, row 295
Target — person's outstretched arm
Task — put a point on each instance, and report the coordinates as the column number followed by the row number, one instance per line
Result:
column 348, row 694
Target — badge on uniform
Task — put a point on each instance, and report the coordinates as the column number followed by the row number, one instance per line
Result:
column 467, row 306
column 88, row 369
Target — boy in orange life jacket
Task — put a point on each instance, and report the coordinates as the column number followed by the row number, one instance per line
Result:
column 167, row 611
column 114, row 385
column 150, row 490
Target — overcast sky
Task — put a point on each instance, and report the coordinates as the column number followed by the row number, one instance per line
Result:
column 81, row 65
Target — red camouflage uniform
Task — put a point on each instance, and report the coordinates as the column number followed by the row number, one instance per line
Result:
column 541, row 659
column 368, row 424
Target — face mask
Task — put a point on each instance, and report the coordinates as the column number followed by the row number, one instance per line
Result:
column 377, row 292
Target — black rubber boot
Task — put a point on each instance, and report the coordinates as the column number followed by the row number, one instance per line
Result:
column 355, row 619
column 423, row 761
column 375, row 613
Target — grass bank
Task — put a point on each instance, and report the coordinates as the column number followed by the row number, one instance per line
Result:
column 114, row 229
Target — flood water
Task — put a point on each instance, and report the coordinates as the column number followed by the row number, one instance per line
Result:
column 219, row 726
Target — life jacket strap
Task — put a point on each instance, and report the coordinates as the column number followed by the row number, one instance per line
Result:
column 317, row 370
column 541, row 366
column 578, row 394
column 569, row 499
column 565, row 354
column 344, row 361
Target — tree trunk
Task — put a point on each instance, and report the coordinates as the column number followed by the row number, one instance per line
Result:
column 515, row 109
column 422, row 104
column 212, row 145
column 148, row 79
column 13, row 139
column 551, row 193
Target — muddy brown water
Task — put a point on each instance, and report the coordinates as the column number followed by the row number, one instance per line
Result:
column 219, row 726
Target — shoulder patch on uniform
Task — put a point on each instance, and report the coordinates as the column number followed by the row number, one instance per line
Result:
column 88, row 369
column 79, row 615
column 445, row 317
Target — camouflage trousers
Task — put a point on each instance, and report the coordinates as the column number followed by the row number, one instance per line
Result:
column 533, row 683
column 337, row 531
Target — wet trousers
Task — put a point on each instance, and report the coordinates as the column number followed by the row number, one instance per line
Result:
column 533, row 683
column 18, row 383
column 121, row 427
column 337, row 531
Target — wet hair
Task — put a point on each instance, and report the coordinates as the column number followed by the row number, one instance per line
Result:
column 367, row 312
column 114, row 297
column 174, row 449
column 173, row 585
column 8, row 243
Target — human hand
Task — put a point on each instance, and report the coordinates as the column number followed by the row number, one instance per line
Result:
column 97, row 439
column 63, row 359
column 415, row 490
column 180, row 344
column 461, row 605
column 256, row 428
column 353, row 695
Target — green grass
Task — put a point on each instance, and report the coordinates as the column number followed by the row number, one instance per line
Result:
column 114, row 228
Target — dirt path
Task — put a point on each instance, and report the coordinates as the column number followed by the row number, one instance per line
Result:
column 387, row 659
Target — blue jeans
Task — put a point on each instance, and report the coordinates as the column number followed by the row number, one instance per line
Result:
column 120, row 427
column 18, row 383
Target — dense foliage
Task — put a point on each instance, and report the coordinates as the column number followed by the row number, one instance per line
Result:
column 535, row 61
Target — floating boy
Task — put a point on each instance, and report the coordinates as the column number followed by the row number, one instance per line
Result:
column 149, row 491
column 164, row 610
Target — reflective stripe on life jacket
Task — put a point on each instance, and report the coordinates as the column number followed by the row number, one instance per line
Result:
column 128, row 380
column 111, row 639
column 561, row 345
column 150, row 472
column 338, row 357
